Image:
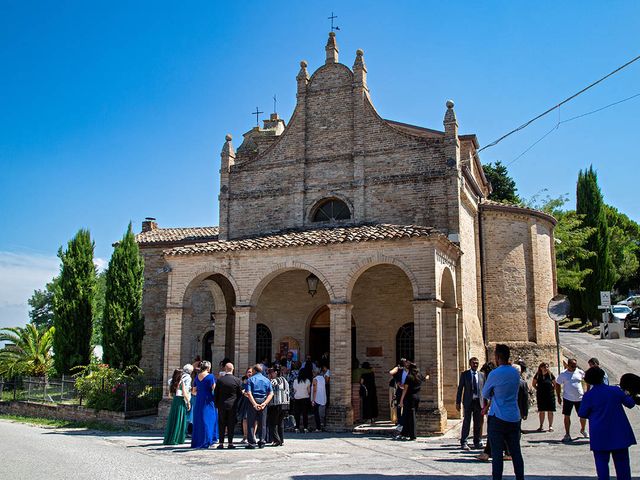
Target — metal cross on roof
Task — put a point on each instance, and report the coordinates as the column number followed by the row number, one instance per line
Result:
column 332, row 17
column 275, row 104
column 257, row 113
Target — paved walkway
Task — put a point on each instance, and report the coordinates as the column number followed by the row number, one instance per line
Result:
column 33, row 452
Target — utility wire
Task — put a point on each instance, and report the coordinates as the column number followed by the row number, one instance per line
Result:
column 546, row 112
column 560, row 122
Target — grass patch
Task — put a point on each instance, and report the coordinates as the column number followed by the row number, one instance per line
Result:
column 53, row 423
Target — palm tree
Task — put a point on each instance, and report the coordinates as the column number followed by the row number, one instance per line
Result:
column 27, row 351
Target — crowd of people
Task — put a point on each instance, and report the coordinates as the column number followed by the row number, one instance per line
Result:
column 499, row 392
column 285, row 393
column 207, row 405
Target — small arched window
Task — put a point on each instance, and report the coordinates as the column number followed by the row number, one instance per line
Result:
column 263, row 342
column 405, row 342
column 332, row 210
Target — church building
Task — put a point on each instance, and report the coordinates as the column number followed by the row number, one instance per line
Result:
column 348, row 234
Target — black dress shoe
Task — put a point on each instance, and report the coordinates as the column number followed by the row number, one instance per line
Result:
column 220, row 447
column 250, row 446
column 231, row 446
column 260, row 445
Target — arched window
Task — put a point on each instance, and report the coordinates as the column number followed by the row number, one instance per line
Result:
column 404, row 342
column 332, row 210
column 263, row 342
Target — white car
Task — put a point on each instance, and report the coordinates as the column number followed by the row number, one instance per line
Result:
column 630, row 300
column 618, row 313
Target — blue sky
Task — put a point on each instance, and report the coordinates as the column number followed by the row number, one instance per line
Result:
column 113, row 111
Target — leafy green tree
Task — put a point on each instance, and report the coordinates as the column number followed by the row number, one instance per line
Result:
column 624, row 244
column 590, row 205
column 41, row 305
column 503, row 186
column 27, row 351
column 123, row 325
column 73, row 302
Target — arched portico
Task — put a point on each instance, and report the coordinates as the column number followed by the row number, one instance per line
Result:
column 204, row 314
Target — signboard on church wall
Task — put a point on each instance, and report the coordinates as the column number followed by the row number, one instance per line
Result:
column 374, row 352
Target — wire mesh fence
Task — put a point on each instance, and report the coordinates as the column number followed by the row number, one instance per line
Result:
column 140, row 394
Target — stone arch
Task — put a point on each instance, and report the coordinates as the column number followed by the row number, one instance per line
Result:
column 448, row 289
column 373, row 261
column 178, row 295
column 279, row 268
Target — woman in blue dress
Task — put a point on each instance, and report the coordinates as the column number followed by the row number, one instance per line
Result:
column 205, row 416
column 610, row 433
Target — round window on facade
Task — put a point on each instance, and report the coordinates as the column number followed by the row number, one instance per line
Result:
column 331, row 211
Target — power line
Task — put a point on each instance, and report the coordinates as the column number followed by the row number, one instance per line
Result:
column 546, row 112
column 557, row 125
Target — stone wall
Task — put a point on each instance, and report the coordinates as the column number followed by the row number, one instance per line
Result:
column 72, row 413
column 519, row 281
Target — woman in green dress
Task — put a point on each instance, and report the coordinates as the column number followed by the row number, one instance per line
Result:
column 175, row 432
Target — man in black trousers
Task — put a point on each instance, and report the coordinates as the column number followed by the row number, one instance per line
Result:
column 226, row 397
column 470, row 397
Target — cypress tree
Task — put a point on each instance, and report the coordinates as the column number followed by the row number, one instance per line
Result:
column 590, row 205
column 122, row 323
column 73, row 304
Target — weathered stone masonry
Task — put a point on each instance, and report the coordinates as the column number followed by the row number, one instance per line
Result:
column 391, row 218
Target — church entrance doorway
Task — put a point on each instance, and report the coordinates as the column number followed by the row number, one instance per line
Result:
column 319, row 334
column 207, row 346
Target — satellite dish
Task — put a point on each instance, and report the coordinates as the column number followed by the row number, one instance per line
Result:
column 559, row 308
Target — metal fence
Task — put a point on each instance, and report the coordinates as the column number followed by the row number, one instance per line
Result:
column 141, row 394
column 40, row 389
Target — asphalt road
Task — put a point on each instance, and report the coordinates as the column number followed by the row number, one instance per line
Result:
column 617, row 356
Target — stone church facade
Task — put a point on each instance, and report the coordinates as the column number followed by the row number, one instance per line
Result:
column 393, row 223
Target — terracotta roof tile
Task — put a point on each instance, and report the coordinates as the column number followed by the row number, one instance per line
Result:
column 177, row 235
column 486, row 203
column 296, row 238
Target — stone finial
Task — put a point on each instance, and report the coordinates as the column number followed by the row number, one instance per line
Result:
column 302, row 77
column 450, row 115
column 359, row 62
column 331, row 49
column 303, row 74
column 360, row 70
column 227, row 148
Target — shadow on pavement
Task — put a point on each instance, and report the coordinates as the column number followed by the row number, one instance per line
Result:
column 376, row 476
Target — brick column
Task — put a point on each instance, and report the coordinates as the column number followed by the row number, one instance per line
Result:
column 172, row 358
column 450, row 359
column 244, row 316
column 220, row 335
column 339, row 411
column 427, row 317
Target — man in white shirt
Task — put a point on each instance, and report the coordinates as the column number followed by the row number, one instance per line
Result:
column 319, row 399
column 570, row 392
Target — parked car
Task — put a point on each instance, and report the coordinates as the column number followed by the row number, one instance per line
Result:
column 629, row 301
column 632, row 320
column 618, row 313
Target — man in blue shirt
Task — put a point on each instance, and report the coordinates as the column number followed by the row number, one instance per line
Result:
column 259, row 392
column 501, row 388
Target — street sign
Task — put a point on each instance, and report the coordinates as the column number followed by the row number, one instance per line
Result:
column 605, row 299
column 558, row 308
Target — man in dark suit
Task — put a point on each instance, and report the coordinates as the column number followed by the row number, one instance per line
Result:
column 470, row 398
column 226, row 397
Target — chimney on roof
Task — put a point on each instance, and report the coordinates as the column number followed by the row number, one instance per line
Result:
column 149, row 224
